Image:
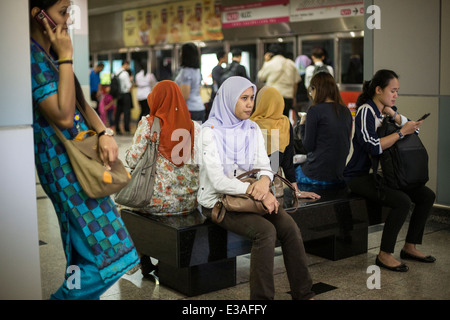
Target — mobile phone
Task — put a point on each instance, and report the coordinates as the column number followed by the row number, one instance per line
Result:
column 426, row 115
column 40, row 17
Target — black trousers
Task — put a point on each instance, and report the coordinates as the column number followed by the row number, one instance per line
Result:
column 288, row 104
column 399, row 202
column 124, row 105
column 145, row 110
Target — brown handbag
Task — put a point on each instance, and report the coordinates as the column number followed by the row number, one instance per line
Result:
column 245, row 202
column 83, row 154
column 94, row 179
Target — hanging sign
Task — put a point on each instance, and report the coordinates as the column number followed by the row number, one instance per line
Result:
column 304, row 10
column 257, row 13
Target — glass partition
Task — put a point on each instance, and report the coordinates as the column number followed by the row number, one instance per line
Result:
column 351, row 58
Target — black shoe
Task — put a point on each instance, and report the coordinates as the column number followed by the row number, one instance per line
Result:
column 406, row 255
column 401, row 268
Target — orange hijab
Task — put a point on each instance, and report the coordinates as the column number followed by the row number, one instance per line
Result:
column 167, row 103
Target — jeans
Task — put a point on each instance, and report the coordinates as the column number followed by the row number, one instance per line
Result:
column 264, row 231
column 400, row 203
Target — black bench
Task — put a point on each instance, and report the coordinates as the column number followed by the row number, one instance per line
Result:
column 196, row 256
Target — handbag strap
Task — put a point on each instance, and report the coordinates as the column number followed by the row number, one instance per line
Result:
column 251, row 172
column 154, row 129
column 275, row 174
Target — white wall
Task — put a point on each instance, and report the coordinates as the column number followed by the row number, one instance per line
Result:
column 20, row 276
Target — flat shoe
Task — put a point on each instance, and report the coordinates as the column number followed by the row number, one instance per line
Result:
column 406, row 255
column 401, row 268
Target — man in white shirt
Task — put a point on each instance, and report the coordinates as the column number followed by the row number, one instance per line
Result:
column 280, row 73
column 317, row 56
column 124, row 102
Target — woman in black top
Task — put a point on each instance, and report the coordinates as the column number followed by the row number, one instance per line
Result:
column 326, row 135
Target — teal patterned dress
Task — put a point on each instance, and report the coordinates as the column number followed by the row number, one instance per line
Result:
column 92, row 227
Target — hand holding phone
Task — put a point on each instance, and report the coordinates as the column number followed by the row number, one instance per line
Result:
column 426, row 115
column 40, row 19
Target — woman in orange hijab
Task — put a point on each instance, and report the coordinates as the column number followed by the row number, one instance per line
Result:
column 176, row 181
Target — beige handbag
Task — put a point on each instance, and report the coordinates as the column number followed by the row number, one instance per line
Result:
column 83, row 154
column 245, row 202
column 95, row 180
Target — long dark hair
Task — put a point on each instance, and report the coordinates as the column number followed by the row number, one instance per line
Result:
column 41, row 4
column 326, row 88
column 190, row 56
column 380, row 79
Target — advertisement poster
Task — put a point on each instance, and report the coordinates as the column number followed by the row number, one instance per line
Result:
column 173, row 23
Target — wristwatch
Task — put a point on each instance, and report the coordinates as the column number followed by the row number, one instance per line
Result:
column 400, row 134
column 107, row 132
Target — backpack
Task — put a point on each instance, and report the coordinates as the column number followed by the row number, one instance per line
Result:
column 405, row 164
column 139, row 192
column 115, row 90
column 230, row 71
column 322, row 68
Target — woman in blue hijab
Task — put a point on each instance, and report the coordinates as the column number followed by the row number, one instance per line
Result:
column 232, row 144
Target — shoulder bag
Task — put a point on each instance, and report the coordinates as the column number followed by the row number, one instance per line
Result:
column 139, row 192
column 92, row 175
column 245, row 202
column 94, row 179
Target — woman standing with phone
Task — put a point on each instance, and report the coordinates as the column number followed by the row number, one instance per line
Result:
column 376, row 102
column 94, row 237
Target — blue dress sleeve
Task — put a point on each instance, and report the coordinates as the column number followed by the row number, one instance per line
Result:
column 44, row 78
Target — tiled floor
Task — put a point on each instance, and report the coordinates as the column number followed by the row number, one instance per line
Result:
column 344, row 279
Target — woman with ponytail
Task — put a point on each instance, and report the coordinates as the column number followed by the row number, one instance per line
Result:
column 376, row 102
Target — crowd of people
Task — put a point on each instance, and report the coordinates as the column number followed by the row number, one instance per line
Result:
column 234, row 138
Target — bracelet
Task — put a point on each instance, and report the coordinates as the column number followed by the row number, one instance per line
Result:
column 68, row 59
column 395, row 115
column 62, row 61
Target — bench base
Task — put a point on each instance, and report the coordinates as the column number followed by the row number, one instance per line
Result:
column 196, row 256
column 337, row 248
column 197, row 280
